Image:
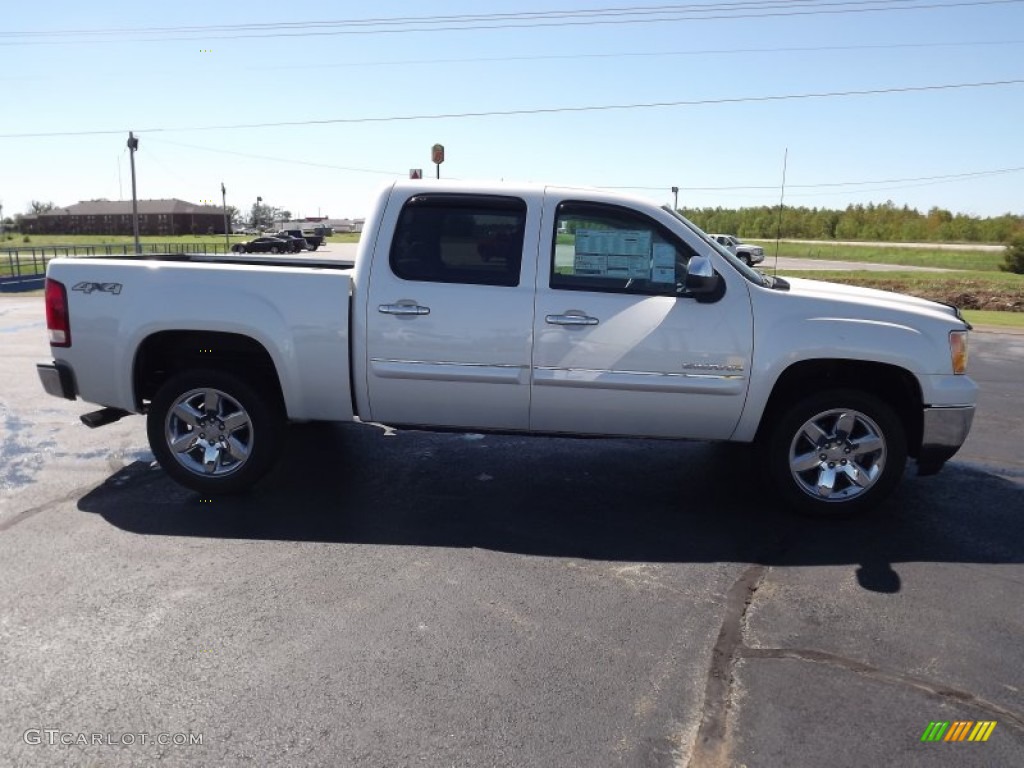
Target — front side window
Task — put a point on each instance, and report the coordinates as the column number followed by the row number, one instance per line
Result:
column 446, row 238
column 607, row 248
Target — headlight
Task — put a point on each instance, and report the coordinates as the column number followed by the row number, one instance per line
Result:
column 958, row 351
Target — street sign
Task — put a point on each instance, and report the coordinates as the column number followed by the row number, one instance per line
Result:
column 415, row 173
column 437, row 154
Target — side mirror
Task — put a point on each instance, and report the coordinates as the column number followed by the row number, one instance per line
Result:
column 701, row 279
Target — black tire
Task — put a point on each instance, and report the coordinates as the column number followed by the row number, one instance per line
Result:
column 275, row 249
column 240, row 249
column 746, row 260
column 314, row 246
column 246, row 427
column 854, row 462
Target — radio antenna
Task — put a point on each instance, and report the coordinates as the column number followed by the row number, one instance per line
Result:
column 782, row 198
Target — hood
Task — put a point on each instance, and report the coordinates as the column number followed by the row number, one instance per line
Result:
column 871, row 298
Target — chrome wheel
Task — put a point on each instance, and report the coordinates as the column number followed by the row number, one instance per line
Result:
column 209, row 433
column 837, row 455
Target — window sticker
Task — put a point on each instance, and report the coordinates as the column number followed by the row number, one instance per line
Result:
column 663, row 266
column 618, row 253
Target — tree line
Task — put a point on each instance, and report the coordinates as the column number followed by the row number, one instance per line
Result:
column 871, row 222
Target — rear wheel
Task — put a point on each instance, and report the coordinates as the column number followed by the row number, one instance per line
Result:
column 837, row 453
column 213, row 432
column 274, row 249
column 239, row 249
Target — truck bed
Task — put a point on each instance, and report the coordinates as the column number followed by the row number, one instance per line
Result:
column 251, row 259
column 296, row 310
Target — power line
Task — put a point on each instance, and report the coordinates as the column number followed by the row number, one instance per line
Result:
column 465, row 19
column 941, row 178
column 290, row 161
column 938, row 179
column 900, row 183
column 905, row 182
column 774, row 8
column 951, row 176
column 646, row 54
column 594, row 56
column 437, row 19
column 540, row 110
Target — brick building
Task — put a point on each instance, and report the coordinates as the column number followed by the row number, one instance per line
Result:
column 114, row 217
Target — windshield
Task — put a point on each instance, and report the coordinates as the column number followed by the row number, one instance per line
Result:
column 757, row 278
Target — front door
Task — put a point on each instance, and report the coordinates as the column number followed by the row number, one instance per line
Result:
column 620, row 349
column 450, row 314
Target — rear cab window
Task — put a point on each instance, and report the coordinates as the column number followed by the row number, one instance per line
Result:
column 460, row 238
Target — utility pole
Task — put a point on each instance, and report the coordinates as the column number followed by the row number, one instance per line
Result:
column 133, row 146
column 256, row 214
column 227, row 229
column 675, row 198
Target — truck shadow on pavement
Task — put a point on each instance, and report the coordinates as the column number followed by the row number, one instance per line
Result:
column 619, row 500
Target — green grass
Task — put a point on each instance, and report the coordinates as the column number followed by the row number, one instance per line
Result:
column 983, row 261
column 44, row 244
column 344, row 237
column 40, row 241
column 996, row 319
column 47, row 240
column 990, row 291
column 835, row 276
column 43, row 248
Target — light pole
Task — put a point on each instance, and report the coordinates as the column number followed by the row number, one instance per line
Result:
column 133, row 145
column 224, row 204
column 256, row 214
column 675, row 198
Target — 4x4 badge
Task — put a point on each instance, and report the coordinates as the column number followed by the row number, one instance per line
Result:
column 114, row 288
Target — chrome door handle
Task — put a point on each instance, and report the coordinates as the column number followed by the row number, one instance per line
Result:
column 403, row 309
column 571, row 320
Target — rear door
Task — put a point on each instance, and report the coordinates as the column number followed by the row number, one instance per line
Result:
column 620, row 348
column 450, row 312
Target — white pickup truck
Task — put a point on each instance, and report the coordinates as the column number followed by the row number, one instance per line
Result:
column 508, row 308
column 748, row 254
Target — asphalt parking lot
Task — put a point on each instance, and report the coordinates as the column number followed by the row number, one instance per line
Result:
column 466, row 600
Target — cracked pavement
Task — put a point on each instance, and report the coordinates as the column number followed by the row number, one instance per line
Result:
column 420, row 598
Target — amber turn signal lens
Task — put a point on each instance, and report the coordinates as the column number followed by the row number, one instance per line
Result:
column 958, row 350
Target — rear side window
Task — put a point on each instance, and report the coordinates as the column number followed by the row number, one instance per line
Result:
column 475, row 239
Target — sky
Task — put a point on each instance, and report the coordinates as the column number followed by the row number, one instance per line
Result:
column 720, row 98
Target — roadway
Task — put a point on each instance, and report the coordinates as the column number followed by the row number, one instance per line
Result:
column 438, row 599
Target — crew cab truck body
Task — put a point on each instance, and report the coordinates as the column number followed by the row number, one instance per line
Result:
column 523, row 309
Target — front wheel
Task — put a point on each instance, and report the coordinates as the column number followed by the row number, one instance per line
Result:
column 837, row 453
column 213, row 432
